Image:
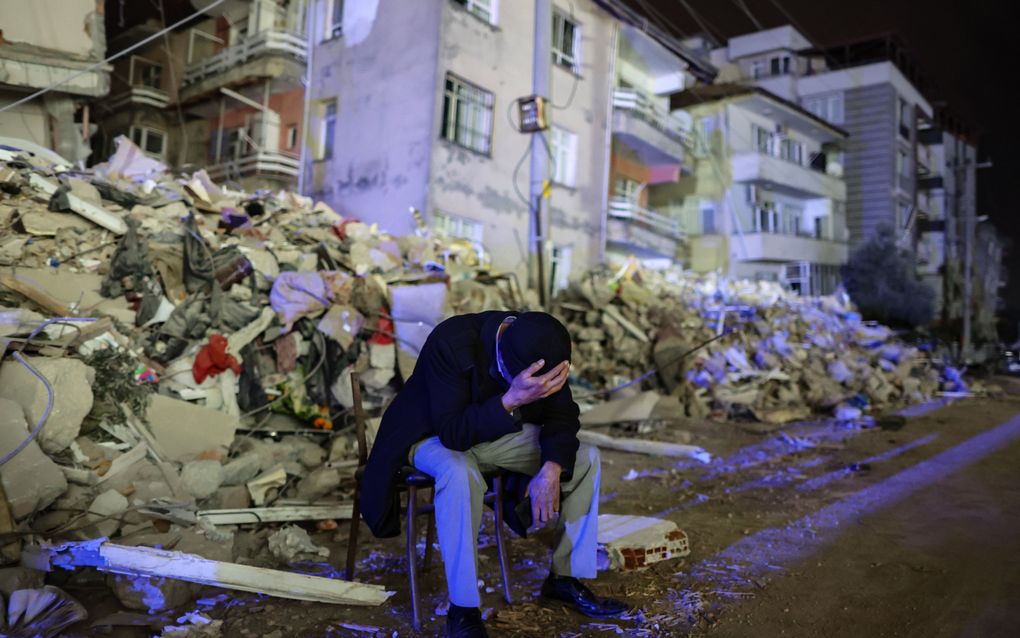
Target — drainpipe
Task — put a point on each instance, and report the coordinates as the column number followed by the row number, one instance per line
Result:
column 608, row 144
column 305, row 137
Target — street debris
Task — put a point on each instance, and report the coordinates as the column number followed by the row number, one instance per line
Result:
column 175, row 358
column 632, row 542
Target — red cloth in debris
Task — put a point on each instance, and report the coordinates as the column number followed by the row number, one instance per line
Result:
column 213, row 359
column 384, row 330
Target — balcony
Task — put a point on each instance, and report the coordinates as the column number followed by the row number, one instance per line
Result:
column 640, row 230
column 649, row 129
column 782, row 248
column 264, row 44
column 272, row 164
column 141, row 95
column 929, row 182
column 786, row 176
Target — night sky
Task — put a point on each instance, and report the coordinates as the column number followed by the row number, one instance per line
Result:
column 967, row 49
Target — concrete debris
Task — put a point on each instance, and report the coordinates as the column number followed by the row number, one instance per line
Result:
column 289, row 543
column 31, row 480
column 199, row 341
column 201, row 479
column 632, row 542
column 72, row 397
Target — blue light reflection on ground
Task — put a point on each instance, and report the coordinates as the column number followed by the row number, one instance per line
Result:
column 762, row 553
column 825, row 479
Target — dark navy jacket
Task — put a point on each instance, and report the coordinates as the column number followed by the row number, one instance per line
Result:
column 456, row 394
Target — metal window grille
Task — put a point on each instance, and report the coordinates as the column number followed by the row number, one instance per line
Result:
column 467, row 115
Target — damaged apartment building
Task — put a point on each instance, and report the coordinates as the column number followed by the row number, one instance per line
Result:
column 37, row 52
column 415, row 106
column 223, row 91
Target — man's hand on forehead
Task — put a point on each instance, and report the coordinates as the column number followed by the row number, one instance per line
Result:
column 527, row 388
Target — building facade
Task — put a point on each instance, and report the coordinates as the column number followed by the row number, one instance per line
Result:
column 766, row 199
column 414, row 105
column 43, row 43
column 869, row 89
column 224, row 93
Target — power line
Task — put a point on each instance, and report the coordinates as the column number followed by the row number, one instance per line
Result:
column 703, row 24
column 116, row 56
column 742, row 5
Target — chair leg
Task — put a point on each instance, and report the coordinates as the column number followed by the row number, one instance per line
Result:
column 412, row 553
column 497, row 484
column 430, row 533
column 352, row 537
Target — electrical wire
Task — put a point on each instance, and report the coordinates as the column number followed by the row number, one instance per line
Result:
column 115, row 56
column 42, row 418
column 702, row 23
column 750, row 16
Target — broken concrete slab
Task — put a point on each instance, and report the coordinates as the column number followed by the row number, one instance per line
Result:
column 104, row 514
column 632, row 542
column 31, row 480
column 243, row 468
column 318, row 483
column 72, row 396
column 185, row 430
column 19, row 577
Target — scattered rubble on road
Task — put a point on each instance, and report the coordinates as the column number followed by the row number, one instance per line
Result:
column 182, row 355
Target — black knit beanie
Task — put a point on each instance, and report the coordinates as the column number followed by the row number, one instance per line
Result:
column 533, row 336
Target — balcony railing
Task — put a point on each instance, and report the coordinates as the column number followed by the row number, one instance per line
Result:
column 623, row 208
column 269, row 163
column 272, row 42
column 143, row 96
column 643, row 107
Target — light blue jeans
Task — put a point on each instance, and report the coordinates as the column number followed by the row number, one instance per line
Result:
column 458, row 500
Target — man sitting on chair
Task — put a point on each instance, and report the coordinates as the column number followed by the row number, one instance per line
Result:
column 489, row 391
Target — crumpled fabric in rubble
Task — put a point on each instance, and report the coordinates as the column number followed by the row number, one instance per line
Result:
column 213, row 359
column 302, row 294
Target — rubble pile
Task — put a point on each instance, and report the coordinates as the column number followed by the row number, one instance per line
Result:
column 176, row 353
column 776, row 357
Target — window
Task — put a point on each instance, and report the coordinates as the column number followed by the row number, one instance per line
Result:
column 708, row 124
column 627, row 189
column 152, row 75
column 563, row 148
column 566, row 48
column 762, row 139
column 902, row 163
column 237, row 143
column 820, row 228
column 758, row 69
column 482, row 9
column 560, row 264
column 828, row 107
column 151, row 141
column 779, row 65
column 905, row 117
column 292, row 136
column 467, row 115
column 327, row 130
column 335, row 23
column 791, row 151
column 708, row 219
column 458, row 227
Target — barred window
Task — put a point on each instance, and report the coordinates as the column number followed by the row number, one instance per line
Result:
column 467, row 115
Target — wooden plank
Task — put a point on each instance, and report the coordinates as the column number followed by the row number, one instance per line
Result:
column 278, row 514
column 161, row 563
column 39, row 296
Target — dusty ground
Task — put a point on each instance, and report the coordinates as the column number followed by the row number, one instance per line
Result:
column 815, row 529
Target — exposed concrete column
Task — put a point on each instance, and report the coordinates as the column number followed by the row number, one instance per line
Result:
column 66, row 137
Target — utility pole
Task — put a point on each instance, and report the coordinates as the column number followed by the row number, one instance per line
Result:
column 541, row 63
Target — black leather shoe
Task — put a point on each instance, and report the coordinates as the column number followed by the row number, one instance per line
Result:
column 573, row 593
column 465, row 622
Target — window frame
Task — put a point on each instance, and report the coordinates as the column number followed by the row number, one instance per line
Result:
column 158, row 73
column 563, row 142
column 326, row 114
column 454, row 226
column 559, row 57
column 292, row 136
column 143, row 138
column 488, row 12
column 333, row 29
column 457, row 92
